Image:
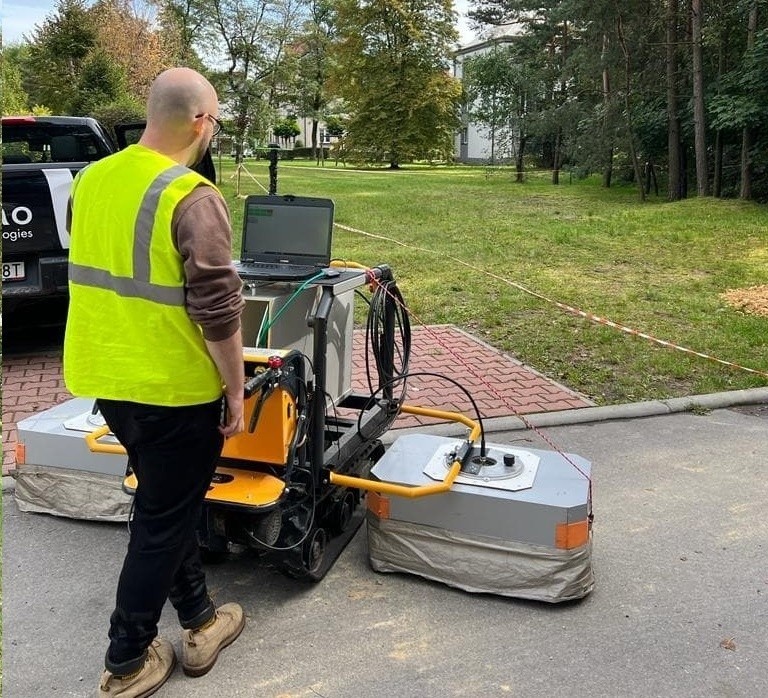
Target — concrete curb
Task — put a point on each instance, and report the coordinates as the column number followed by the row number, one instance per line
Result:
column 584, row 415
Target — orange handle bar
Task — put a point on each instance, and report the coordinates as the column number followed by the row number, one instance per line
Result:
column 92, row 440
column 417, row 490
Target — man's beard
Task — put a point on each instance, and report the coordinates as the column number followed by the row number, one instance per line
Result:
column 202, row 148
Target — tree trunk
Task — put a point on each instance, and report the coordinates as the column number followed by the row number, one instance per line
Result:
column 683, row 172
column 562, row 96
column 314, row 138
column 650, row 178
column 699, row 125
column 717, row 179
column 493, row 144
column 519, row 160
column 745, row 191
column 717, row 182
column 608, row 166
column 674, row 192
column 628, row 109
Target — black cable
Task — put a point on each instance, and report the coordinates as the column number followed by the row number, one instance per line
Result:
column 450, row 380
column 387, row 297
column 388, row 292
column 310, row 523
column 301, row 425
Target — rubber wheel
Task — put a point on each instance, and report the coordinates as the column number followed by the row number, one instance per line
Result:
column 314, row 549
column 344, row 511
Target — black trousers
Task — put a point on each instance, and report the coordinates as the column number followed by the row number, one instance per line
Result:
column 173, row 451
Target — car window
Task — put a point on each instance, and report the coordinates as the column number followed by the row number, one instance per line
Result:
column 41, row 143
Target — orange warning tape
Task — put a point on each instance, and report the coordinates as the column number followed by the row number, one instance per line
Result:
column 569, row 308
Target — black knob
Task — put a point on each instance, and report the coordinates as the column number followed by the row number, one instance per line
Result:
column 509, row 460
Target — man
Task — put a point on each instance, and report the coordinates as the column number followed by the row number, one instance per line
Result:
column 153, row 333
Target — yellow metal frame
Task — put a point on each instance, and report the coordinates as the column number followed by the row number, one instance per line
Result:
column 92, row 441
column 348, row 480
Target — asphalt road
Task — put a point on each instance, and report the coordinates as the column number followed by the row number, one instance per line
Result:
column 680, row 605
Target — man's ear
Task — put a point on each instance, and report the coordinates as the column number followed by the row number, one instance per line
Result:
column 199, row 125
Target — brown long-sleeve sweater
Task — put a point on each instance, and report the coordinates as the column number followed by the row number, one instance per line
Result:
column 202, row 234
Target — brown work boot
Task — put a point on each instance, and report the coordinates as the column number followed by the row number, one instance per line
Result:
column 160, row 661
column 201, row 647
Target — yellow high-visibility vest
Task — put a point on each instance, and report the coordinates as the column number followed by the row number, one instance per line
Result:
column 128, row 335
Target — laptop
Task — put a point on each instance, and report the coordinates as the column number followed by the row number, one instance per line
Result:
column 285, row 238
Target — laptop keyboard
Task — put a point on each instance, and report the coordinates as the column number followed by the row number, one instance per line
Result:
column 259, row 265
column 257, row 269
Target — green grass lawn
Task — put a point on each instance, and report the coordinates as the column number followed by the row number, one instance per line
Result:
column 469, row 240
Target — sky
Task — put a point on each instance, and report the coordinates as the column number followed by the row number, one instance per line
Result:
column 20, row 16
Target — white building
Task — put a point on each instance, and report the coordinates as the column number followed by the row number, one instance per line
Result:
column 473, row 142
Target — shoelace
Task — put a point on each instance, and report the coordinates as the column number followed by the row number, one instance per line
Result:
column 190, row 642
column 104, row 685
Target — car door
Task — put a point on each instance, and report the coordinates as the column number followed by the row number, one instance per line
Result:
column 128, row 134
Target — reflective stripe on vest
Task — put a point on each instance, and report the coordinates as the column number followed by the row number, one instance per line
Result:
column 145, row 221
column 138, row 286
column 123, row 286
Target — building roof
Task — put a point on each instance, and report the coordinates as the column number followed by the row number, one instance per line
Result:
column 492, row 35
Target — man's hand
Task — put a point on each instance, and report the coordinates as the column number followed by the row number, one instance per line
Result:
column 227, row 354
column 233, row 414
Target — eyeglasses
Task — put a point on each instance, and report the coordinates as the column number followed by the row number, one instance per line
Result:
column 217, row 125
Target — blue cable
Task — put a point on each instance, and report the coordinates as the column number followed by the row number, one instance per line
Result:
column 293, row 297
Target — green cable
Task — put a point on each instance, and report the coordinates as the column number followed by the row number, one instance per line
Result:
column 293, row 297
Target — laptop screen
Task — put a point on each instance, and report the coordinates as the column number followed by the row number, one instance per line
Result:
column 287, row 229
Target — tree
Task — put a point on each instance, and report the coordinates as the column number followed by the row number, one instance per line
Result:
column 314, row 45
column 738, row 108
column 599, row 66
column 123, row 110
column 58, row 50
column 101, row 81
column 15, row 99
column 551, row 38
column 699, row 118
column 129, row 39
column 675, row 188
column 500, row 94
column 254, row 35
column 746, row 138
column 82, row 58
column 185, row 28
column 391, row 70
column 335, row 125
column 286, row 129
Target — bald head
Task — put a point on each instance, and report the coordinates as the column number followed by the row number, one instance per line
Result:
column 177, row 95
column 179, row 104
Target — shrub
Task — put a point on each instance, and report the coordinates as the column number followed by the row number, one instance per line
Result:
column 304, row 153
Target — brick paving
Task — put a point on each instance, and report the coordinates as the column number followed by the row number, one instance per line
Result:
column 500, row 385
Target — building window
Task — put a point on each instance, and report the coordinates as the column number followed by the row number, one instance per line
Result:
column 465, row 136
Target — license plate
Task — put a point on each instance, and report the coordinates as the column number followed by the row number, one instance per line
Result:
column 13, row 271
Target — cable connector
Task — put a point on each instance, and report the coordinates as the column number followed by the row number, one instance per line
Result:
column 258, row 381
column 377, row 274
